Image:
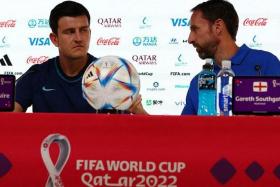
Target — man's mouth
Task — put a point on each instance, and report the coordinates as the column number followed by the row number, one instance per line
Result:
column 78, row 46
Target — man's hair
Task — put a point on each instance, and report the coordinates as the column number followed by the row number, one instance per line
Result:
column 66, row 8
column 220, row 9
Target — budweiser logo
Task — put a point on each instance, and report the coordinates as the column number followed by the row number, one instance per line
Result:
column 110, row 41
column 37, row 60
column 8, row 24
column 255, row 22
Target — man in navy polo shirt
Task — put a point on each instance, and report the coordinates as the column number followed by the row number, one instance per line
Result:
column 55, row 86
column 214, row 26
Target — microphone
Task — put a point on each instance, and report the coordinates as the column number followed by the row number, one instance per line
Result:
column 258, row 69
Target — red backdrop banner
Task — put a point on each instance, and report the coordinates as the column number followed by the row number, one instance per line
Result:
column 90, row 150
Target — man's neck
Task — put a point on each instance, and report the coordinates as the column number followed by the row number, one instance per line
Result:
column 225, row 51
column 72, row 67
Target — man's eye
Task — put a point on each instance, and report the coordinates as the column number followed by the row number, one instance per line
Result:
column 69, row 32
column 85, row 30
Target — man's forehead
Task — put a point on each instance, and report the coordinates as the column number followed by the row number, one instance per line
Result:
column 72, row 22
column 197, row 15
column 198, row 18
column 73, row 19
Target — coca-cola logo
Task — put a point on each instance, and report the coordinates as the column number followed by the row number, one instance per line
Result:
column 8, row 24
column 255, row 22
column 37, row 60
column 109, row 41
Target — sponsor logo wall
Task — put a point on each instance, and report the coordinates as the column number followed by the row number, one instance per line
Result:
column 151, row 35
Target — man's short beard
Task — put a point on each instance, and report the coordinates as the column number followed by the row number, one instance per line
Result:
column 209, row 52
column 203, row 55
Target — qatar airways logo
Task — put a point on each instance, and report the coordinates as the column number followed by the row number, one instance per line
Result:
column 8, row 23
column 108, row 41
column 145, row 59
column 255, row 22
column 110, row 22
column 37, row 60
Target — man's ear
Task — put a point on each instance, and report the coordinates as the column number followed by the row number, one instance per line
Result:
column 219, row 26
column 54, row 39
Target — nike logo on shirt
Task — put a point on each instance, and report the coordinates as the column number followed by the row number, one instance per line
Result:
column 47, row 89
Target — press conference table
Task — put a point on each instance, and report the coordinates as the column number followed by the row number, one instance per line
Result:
column 138, row 151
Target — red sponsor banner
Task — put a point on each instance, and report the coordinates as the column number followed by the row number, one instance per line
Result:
column 74, row 150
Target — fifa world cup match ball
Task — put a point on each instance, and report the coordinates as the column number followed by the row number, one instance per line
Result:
column 110, row 82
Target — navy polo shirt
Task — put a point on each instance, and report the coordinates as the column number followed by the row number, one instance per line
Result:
column 48, row 89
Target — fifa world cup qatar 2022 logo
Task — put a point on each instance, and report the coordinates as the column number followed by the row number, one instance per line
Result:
column 54, row 179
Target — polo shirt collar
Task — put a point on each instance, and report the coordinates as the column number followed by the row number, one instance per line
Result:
column 241, row 54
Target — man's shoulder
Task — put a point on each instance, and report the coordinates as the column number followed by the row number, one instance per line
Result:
column 91, row 57
column 247, row 55
column 250, row 58
column 38, row 70
column 262, row 54
column 194, row 84
column 43, row 66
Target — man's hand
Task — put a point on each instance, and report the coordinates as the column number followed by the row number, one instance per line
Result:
column 137, row 107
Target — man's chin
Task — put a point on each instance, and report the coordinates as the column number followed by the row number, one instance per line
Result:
column 78, row 54
column 202, row 56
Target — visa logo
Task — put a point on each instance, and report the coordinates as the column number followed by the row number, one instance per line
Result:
column 180, row 22
column 39, row 41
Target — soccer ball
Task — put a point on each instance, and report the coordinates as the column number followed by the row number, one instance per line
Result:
column 110, row 82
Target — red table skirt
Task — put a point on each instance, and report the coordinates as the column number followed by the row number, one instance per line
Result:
column 138, row 151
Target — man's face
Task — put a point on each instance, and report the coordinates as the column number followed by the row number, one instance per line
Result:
column 73, row 36
column 202, row 36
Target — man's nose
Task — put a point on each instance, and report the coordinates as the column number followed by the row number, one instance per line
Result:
column 78, row 35
column 190, row 38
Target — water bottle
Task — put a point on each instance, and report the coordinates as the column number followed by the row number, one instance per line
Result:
column 207, row 90
column 224, row 89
